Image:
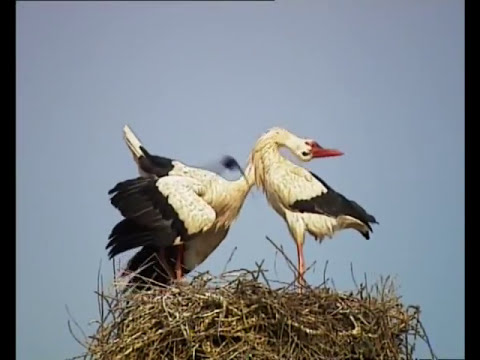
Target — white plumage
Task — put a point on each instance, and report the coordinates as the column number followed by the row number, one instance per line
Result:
column 205, row 205
column 306, row 202
column 185, row 195
column 180, row 212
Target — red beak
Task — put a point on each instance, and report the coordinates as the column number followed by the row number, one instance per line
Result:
column 320, row 152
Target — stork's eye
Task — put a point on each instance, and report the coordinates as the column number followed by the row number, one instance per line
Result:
column 305, row 153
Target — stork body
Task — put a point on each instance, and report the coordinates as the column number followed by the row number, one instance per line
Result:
column 177, row 212
column 306, row 202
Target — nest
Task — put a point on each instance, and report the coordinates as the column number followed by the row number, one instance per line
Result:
column 242, row 315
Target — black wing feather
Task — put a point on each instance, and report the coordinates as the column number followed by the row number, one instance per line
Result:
column 149, row 217
column 334, row 204
column 128, row 235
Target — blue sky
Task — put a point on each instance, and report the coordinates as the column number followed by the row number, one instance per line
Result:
column 381, row 81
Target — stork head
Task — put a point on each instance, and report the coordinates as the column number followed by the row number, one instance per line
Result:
column 308, row 149
column 304, row 149
column 230, row 163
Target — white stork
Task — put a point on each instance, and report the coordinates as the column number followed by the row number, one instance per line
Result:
column 173, row 210
column 306, row 202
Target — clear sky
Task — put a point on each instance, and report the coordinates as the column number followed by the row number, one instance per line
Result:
column 382, row 81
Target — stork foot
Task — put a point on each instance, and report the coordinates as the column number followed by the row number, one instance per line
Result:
column 301, row 283
column 182, row 281
column 301, row 268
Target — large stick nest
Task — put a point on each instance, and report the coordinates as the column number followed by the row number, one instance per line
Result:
column 237, row 316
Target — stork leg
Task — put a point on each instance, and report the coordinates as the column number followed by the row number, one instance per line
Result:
column 301, row 266
column 163, row 262
column 178, row 265
column 297, row 229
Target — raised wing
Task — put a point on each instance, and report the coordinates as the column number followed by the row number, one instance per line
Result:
column 159, row 166
column 148, row 164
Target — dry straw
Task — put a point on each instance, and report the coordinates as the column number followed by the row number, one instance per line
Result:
column 243, row 315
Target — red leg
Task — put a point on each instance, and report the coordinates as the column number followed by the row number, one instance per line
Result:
column 301, row 266
column 179, row 264
column 163, row 262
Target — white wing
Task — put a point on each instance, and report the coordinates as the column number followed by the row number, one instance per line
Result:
column 292, row 183
column 185, row 196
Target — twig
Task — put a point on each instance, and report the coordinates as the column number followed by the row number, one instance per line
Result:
column 285, row 256
column 325, row 279
column 77, row 325
column 229, row 259
column 353, row 276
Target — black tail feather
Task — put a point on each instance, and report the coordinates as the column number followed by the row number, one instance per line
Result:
column 332, row 203
column 362, row 213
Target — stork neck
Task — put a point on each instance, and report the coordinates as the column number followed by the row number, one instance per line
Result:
column 264, row 156
column 271, row 154
column 236, row 194
column 246, row 183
